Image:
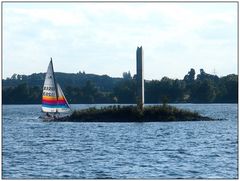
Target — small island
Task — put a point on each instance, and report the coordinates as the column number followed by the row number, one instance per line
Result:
column 161, row 113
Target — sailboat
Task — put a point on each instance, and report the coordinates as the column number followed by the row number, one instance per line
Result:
column 53, row 100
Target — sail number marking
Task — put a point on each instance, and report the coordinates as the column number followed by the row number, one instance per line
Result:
column 49, row 94
column 46, row 93
column 49, row 88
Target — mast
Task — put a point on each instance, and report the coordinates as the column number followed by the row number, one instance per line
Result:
column 55, row 84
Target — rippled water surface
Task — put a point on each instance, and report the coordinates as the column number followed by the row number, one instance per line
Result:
column 36, row 149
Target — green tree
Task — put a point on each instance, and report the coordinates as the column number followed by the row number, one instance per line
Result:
column 125, row 91
column 203, row 92
column 228, row 89
column 190, row 77
column 127, row 75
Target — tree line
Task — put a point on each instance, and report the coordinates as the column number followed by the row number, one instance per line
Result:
column 85, row 88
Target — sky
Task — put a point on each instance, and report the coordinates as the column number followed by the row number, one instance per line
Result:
column 102, row 38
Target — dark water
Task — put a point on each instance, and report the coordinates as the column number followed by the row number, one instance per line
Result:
column 36, row 149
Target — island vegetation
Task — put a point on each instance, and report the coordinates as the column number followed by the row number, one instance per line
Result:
column 118, row 113
column 83, row 88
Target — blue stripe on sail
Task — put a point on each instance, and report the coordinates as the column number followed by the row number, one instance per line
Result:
column 55, row 106
column 50, row 104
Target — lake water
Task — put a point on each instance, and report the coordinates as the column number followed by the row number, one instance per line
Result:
column 205, row 149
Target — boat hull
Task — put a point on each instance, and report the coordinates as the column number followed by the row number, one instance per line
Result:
column 54, row 118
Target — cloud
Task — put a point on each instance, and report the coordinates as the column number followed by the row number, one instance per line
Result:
column 102, row 37
column 57, row 17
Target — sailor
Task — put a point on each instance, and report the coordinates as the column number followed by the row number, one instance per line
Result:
column 48, row 115
column 56, row 115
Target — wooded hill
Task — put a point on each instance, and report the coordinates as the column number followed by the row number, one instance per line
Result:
column 91, row 88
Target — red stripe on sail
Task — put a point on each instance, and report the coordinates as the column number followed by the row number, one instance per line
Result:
column 54, row 102
column 62, row 102
column 49, row 102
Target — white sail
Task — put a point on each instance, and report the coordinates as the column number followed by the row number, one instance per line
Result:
column 53, row 99
column 50, row 96
column 63, row 105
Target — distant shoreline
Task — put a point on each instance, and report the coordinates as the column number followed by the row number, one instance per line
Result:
column 83, row 88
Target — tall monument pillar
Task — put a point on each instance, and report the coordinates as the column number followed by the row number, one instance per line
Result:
column 140, row 78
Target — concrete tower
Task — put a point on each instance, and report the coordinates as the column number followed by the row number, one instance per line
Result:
column 140, row 78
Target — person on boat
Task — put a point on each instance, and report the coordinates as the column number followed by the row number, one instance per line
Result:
column 48, row 115
column 56, row 115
